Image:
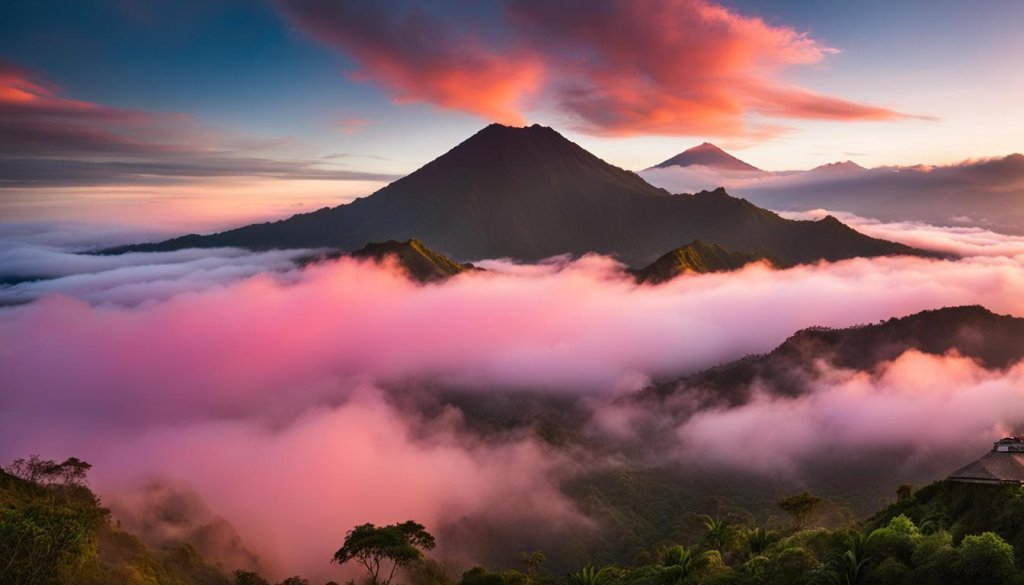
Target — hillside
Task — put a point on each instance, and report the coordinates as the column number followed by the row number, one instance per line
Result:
column 995, row 340
column 529, row 193
column 697, row 257
column 75, row 542
column 962, row 509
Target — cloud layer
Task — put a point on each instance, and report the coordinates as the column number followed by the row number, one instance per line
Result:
column 934, row 407
column 217, row 381
column 984, row 193
column 611, row 67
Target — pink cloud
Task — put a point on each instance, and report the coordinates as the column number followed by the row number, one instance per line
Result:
column 613, row 67
column 423, row 57
column 359, row 461
column 936, row 407
column 226, row 375
column 268, row 343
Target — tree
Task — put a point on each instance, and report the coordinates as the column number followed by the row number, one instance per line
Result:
column 678, row 563
column 373, row 547
column 72, row 471
column 987, row 558
column 905, row 493
column 534, row 566
column 296, row 580
column 481, row 576
column 719, row 533
column 848, row 568
column 589, row 575
column 427, row 571
column 757, row 541
column 802, row 507
column 249, row 578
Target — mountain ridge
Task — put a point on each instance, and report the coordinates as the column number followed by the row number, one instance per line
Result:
column 975, row 332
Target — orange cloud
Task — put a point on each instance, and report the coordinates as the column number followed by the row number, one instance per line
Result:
column 613, row 67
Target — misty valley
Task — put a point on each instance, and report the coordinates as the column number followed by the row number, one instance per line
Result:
column 511, row 292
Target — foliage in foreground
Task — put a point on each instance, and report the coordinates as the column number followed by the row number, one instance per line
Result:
column 53, row 531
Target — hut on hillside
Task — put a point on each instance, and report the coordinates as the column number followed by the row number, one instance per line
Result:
column 1004, row 464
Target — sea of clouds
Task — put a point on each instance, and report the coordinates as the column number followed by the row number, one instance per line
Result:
column 266, row 386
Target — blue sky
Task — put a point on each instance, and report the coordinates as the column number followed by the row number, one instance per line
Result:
column 917, row 82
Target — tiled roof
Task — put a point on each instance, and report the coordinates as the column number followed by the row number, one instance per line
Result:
column 993, row 467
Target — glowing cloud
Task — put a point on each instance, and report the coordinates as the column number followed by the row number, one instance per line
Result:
column 934, row 407
column 307, row 372
column 613, row 67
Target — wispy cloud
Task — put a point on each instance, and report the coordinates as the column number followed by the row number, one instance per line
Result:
column 48, row 139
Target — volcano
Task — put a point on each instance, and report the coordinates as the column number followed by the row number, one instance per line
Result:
column 708, row 155
column 530, row 193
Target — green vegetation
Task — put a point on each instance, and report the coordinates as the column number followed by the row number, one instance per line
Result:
column 53, row 531
column 963, row 534
column 376, row 547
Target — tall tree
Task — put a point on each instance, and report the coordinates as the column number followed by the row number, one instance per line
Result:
column 376, row 547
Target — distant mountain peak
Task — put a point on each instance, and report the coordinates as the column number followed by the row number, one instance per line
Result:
column 843, row 165
column 708, row 155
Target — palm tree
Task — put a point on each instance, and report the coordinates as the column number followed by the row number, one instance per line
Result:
column 848, row 567
column 589, row 575
column 679, row 562
column 757, row 540
column 719, row 533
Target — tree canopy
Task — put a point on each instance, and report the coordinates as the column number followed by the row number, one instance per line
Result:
column 374, row 547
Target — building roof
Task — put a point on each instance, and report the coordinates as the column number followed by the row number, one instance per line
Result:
column 1000, row 465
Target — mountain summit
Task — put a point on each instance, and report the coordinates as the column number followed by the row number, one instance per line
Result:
column 530, row 193
column 707, row 155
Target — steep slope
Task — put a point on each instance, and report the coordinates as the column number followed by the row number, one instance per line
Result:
column 697, row 257
column 995, row 340
column 529, row 193
column 707, row 155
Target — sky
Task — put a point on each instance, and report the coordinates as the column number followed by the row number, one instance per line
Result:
column 211, row 114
